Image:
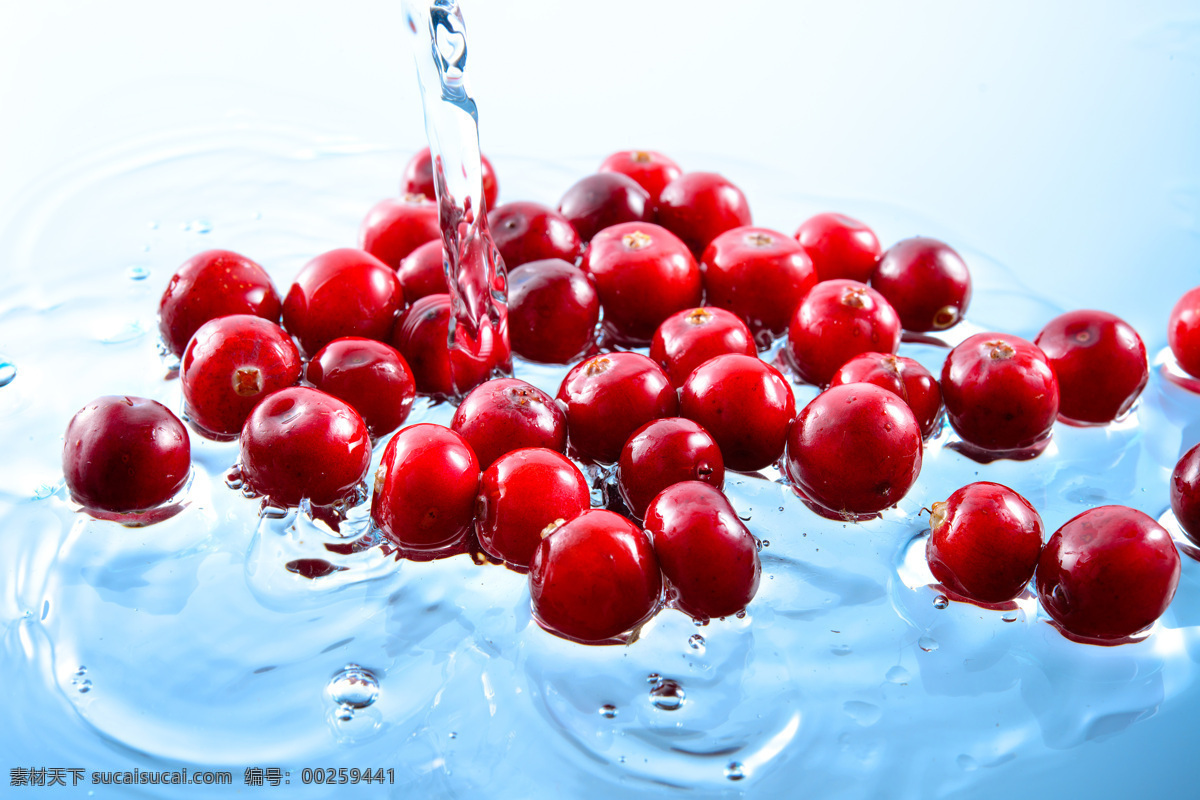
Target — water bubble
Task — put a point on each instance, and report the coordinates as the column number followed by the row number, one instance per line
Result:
column 927, row 643
column 745, row 517
column 608, row 711
column 898, row 674
column 667, row 695
column 453, row 734
column 200, row 226
column 941, row 601
column 81, row 682
column 653, row 677
column 865, row 714
column 734, row 771
column 137, row 273
column 841, row 650
column 696, row 642
column 353, row 687
column 8, row 371
column 766, row 542
column 1010, row 616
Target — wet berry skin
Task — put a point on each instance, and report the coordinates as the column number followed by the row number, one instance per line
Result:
column 344, row 292
column 524, row 496
column 840, row 247
column 700, row 206
column 1100, row 364
column 1000, row 392
column 418, row 177
column 984, row 543
column 425, row 488
column 215, row 283
column 687, row 339
column 836, row 321
column 553, row 309
column 231, row 364
column 594, row 579
column 708, row 557
column 395, row 227
column 1185, row 493
column 662, row 453
column 421, row 337
column 300, row 442
column 422, row 272
column 525, row 232
column 125, row 454
column 653, row 171
column 1108, row 573
column 506, row 414
column 608, row 397
column 903, row 376
column 854, row 450
column 643, row 274
column 602, row 200
column 759, row 274
column 369, row 375
column 745, row 404
column 927, row 283
column 1183, row 332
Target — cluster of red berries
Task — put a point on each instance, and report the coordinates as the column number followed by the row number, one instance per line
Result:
column 640, row 253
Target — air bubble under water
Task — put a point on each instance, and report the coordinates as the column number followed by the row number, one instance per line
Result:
column 353, row 688
column 667, row 695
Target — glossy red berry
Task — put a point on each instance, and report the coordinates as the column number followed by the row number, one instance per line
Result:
column 594, row 579
column 506, row 414
column 302, row 443
column 665, row 452
column 344, row 292
column 1000, row 392
column 1099, row 362
column 687, row 339
column 1108, row 573
column 643, row 274
column 215, row 283
column 1185, row 493
column 700, row 206
column 926, row 282
column 425, row 488
column 395, row 227
column 369, row 375
column 708, row 557
column 602, row 200
column 653, row 171
column 125, row 454
column 422, row 272
column 984, row 543
column 1183, row 332
column 610, row 396
column 418, row 177
column 525, row 232
column 524, row 497
column 836, row 321
column 231, row 364
column 840, row 247
column 902, row 376
column 759, row 274
column 745, row 404
column 553, row 310
column 421, row 336
column 854, row 450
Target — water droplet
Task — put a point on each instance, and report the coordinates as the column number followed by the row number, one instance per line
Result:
column 354, row 687
column 652, row 678
column 941, row 601
column 898, row 674
column 927, row 643
column 1011, row 616
column 137, row 273
column 608, row 711
column 696, row 642
column 865, row 714
column 734, row 771
column 766, row 542
column 8, row 371
column 667, row 695
column 841, row 650
column 741, row 614
column 81, row 682
column 200, row 226
column 344, row 714
column 453, row 734
column 745, row 517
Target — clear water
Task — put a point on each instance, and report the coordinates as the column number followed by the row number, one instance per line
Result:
column 190, row 642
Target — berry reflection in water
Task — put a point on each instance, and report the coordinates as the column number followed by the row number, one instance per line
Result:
column 478, row 334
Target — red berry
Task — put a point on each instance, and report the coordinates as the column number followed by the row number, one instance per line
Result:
column 901, row 376
column 124, row 454
column 1000, row 392
column 985, row 541
column 525, row 232
column 395, row 227
column 425, row 488
column 525, row 496
column 231, row 364
column 1099, row 362
column 745, row 404
column 643, row 275
column 1183, row 332
column 760, row 275
column 507, row 414
column 687, row 339
column 1185, row 493
column 854, row 450
column 1108, row 573
column 302, row 443
column 708, row 557
column 215, row 283
column 422, row 272
column 653, row 171
column 594, row 579
column 836, row 321
column 344, row 292
column 700, row 206
column 602, row 200
column 926, row 282
column 421, row 337
column 608, row 397
column 369, row 375
column 553, row 309
column 662, row 453
column 840, row 247
column 418, row 177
